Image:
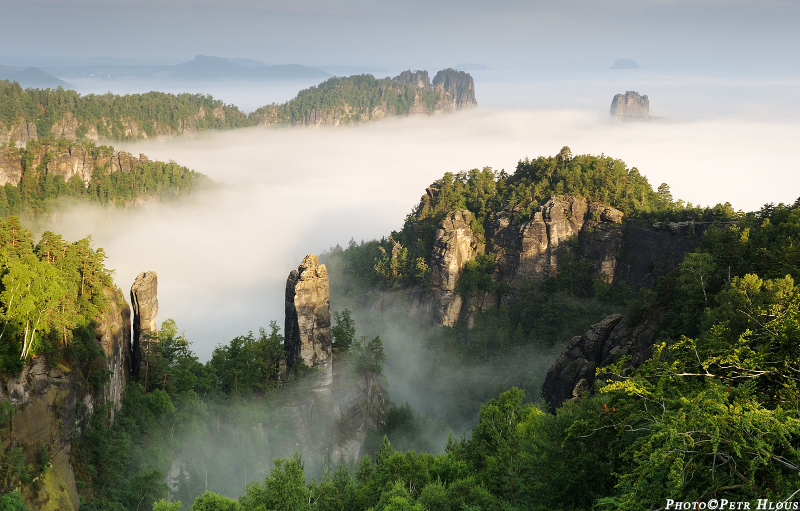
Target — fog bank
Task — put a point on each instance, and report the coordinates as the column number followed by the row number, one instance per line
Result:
column 222, row 257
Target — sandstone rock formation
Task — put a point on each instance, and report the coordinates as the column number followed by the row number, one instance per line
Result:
column 417, row 78
column 459, row 85
column 54, row 403
column 308, row 318
column 144, row 299
column 630, row 106
column 455, row 244
column 65, row 162
column 573, row 372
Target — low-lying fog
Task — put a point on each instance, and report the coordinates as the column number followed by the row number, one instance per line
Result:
column 222, row 258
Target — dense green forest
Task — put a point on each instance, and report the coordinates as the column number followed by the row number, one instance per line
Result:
column 42, row 188
column 714, row 414
column 353, row 97
column 112, row 116
column 65, row 113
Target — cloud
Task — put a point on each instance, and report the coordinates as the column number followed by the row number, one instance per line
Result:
column 223, row 257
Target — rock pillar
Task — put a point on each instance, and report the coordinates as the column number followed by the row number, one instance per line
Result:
column 308, row 318
column 144, row 298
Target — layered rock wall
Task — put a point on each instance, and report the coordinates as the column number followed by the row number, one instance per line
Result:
column 64, row 162
column 308, row 318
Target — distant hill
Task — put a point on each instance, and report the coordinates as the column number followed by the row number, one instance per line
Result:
column 624, row 64
column 31, row 77
column 201, row 68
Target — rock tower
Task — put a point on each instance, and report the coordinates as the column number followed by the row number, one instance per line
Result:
column 144, row 299
column 308, row 318
column 630, row 106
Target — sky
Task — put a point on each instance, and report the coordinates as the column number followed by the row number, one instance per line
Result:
column 415, row 33
column 723, row 75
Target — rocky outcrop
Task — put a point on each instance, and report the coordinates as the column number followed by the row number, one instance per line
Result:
column 18, row 133
column 454, row 245
column 573, row 373
column 459, row 86
column 532, row 249
column 630, row 106
column 417, row 78
column 308, row 319
column 55, row 399
column 64, row 161
column 144, row 300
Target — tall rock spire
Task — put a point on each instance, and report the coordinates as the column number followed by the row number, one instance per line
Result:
column 144, row 299
column 308, row 318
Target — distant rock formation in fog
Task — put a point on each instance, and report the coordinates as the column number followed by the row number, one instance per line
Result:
column 630, row 106
column 625, row 64
column 144, row 301
column 308, row 318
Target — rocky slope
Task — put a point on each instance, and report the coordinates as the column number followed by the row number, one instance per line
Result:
column 54, row 400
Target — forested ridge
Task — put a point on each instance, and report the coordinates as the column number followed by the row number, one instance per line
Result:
column 713, row 414
column 49, row 114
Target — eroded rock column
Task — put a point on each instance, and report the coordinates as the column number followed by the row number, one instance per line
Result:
column 144, row 299
column 308, row 318
column 455, row 244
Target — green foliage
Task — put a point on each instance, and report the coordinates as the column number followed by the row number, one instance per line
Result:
column 210, row 501
column 41, row 189
column 248, row 364
column 12, row 501
column 114, row 117
column 343, row 331
column 283, row 490
column 49, row 292
column 349, row 100
column 163, row 505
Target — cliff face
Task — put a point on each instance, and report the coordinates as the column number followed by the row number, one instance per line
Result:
column 308, row 318
column 532, row 248
column 144, row 299
column 460, row 87
column 630, row 106
column 65, row 162
column 54, row 401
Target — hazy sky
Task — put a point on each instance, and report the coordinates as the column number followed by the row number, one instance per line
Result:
column 501, row 33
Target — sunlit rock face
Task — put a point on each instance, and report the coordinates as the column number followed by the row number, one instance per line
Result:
column 455, row 244
column 144, row 299
column 65, row 162
column 308, row 318
column 630, row 106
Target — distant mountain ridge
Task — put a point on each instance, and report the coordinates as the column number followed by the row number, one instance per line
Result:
column 50, row 114
column 201, row 68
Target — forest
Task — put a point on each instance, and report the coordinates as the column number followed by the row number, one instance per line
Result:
column 713, row 414
column 62, row 113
